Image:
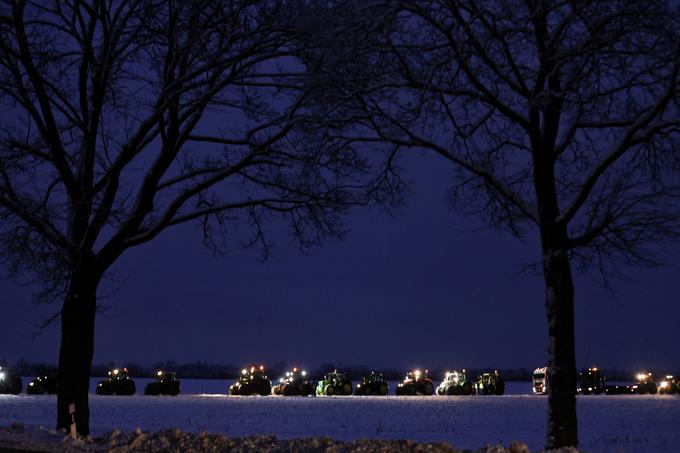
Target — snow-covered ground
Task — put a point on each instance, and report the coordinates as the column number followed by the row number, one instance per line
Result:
column 629, row 423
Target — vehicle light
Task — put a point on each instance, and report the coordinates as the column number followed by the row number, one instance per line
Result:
column 2, row 376
column 590, row 389
column 244, row 371
column 641, row 376
column 664, row 384
column 116, row 371
column 261, row 367
column 160, row 373
column 304, row 373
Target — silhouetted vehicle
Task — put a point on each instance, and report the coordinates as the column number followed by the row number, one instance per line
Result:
column 118, row 382
column 490, row 384
column 166, row 384
column 591, row 381
column 294, row 383
column 373, row 384
column 334, row 383
column 252, row 381
column 9, row 382
column 45, row 383
column 670, row 385
column 416, row 382
column 645, row 384
column 540, row 381
column 455, row 383
column 617, row 390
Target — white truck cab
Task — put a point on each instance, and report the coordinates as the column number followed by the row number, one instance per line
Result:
column 540, row 381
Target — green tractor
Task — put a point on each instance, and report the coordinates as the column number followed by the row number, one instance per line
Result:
column 490, row 384
column 45, row 383
column 373, row 384
column 118, row 382
column 9, row 383
column 166, row 384
column 645, row 384
column 670, row 385
column 294, row 383
column 591, row 381
column 455, row 383
column 253, row 381
column 416, row 382
column 334, row 383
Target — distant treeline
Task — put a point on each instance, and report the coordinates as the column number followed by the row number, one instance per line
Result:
column 206, row 370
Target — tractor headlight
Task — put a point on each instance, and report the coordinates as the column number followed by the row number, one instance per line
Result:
column 664, row 384
column 2, row 376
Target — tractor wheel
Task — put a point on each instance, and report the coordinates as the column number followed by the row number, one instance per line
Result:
column 245, row 390
column 399, row 391
column 233, row 390
column 347, row 389
column 410, row 390
column 329, row 390
column 499, row 389
column 653, row 389
column 467, row 388
column 439, row 391
column 287, row 390
column 383, row 390
column 173, row 389
column 451, row 390
column 428, row 389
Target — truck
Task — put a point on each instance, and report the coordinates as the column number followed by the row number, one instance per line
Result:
column 591, row 381
column 252, row 381
column 373, row 384
column 117, row 382
column 294, row 383
column 9, row 382
column 45, row 383
column 166, row 384
column 669, row 385
column 645, row 384
column 334, row 383
column 490, row 383
column 540, row 381
column 455, row 383
column 416, row 382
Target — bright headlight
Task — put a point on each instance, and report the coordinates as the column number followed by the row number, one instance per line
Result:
column 2, row 376
column 664, row 384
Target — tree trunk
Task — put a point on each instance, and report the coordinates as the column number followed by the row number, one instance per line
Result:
column 559, row 301
column 77, row 347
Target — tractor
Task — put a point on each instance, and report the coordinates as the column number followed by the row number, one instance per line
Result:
column 334, row 383
column 416, row 382
column 9, row 383
column 166, row 384
column 540, row 381
column 118, row 382
column 490, row 384
column 373, row 384
column 252, row 381
column 45, row 383
column 294, row 383
column 670, row 385
column 645, row 384
column 455, row 383
column 591, row 381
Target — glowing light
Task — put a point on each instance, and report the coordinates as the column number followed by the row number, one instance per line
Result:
column 261, row 367
column 304, row 373
column 664, row 384
column 2, row 376
column 244, row 371
column 116, row 371
column 160, row 373
column 294, row 370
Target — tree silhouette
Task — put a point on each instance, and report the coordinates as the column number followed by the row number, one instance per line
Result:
column 123, row 118
column 558, row 116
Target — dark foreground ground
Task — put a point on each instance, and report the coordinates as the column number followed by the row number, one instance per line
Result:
column 25, row 439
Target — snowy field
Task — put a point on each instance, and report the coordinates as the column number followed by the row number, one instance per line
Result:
column 630, row 423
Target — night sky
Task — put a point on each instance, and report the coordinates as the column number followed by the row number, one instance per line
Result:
column 425, row 287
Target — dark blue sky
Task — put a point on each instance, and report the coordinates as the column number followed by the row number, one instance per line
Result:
column 401, row 291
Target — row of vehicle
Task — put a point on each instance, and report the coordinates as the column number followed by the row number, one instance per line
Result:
column 592, row 381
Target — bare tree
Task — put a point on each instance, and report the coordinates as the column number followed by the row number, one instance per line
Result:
column 561, row 116
column 121, row 118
